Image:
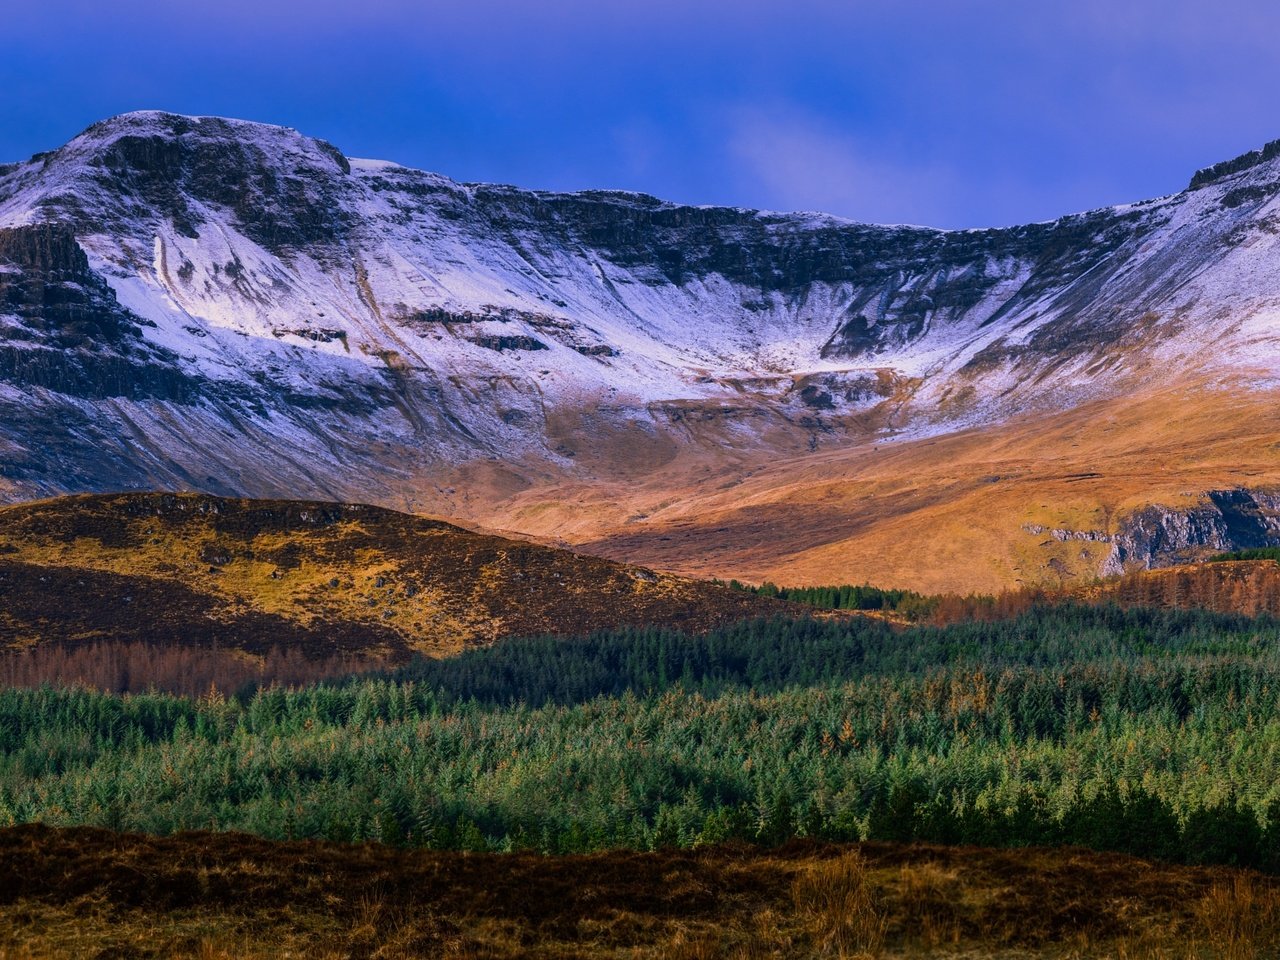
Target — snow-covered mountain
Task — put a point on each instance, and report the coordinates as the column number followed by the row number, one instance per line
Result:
column 234, row 307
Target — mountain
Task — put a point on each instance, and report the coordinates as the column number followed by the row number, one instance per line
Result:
column 235, row 308
column 322, row 580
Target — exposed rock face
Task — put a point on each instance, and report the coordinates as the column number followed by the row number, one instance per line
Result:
column 1226, row 168
column 1228, row 520
column 1158, row 536
column 64, row 330
column 213, row 304
column 47, row 286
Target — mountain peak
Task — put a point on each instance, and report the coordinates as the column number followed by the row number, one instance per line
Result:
column 196, row 131
column 135, row 172
column 1226, row 168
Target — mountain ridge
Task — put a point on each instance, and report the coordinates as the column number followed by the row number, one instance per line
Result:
column 252, row 313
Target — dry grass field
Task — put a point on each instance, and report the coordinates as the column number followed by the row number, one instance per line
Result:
column 91, row 893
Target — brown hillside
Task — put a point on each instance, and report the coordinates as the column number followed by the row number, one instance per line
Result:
column 956, row 513
column 326, row 579
column 84, row 892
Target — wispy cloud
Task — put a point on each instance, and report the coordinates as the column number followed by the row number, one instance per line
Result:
column 954, row 114
column 801, row 163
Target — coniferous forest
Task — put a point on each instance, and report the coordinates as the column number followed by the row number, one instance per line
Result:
column 1155, row 732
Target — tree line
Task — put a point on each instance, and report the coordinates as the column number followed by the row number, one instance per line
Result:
column 1151, row 731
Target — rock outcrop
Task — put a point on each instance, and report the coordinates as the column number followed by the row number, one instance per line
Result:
column 1227, row 520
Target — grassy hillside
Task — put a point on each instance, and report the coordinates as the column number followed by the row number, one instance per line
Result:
column 327, row 580
column 946, row 514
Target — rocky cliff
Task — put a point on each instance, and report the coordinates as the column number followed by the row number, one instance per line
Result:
column 1163, row 536
column 1227, row 520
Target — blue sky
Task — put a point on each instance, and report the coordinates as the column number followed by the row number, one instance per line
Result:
column 946, row 113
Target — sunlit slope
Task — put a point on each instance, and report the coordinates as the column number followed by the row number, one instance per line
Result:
column 1103, row 488
column 330, row 578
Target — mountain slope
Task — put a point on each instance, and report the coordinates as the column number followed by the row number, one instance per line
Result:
column 211, row 304
column 324, row 580
column 1153, row 478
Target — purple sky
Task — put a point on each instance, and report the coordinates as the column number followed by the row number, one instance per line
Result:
column 959, row 113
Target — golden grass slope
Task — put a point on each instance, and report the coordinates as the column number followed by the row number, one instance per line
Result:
column 952, row 513
column 329, row 578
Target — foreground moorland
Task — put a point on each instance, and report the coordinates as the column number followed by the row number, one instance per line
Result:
column 83, row 893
